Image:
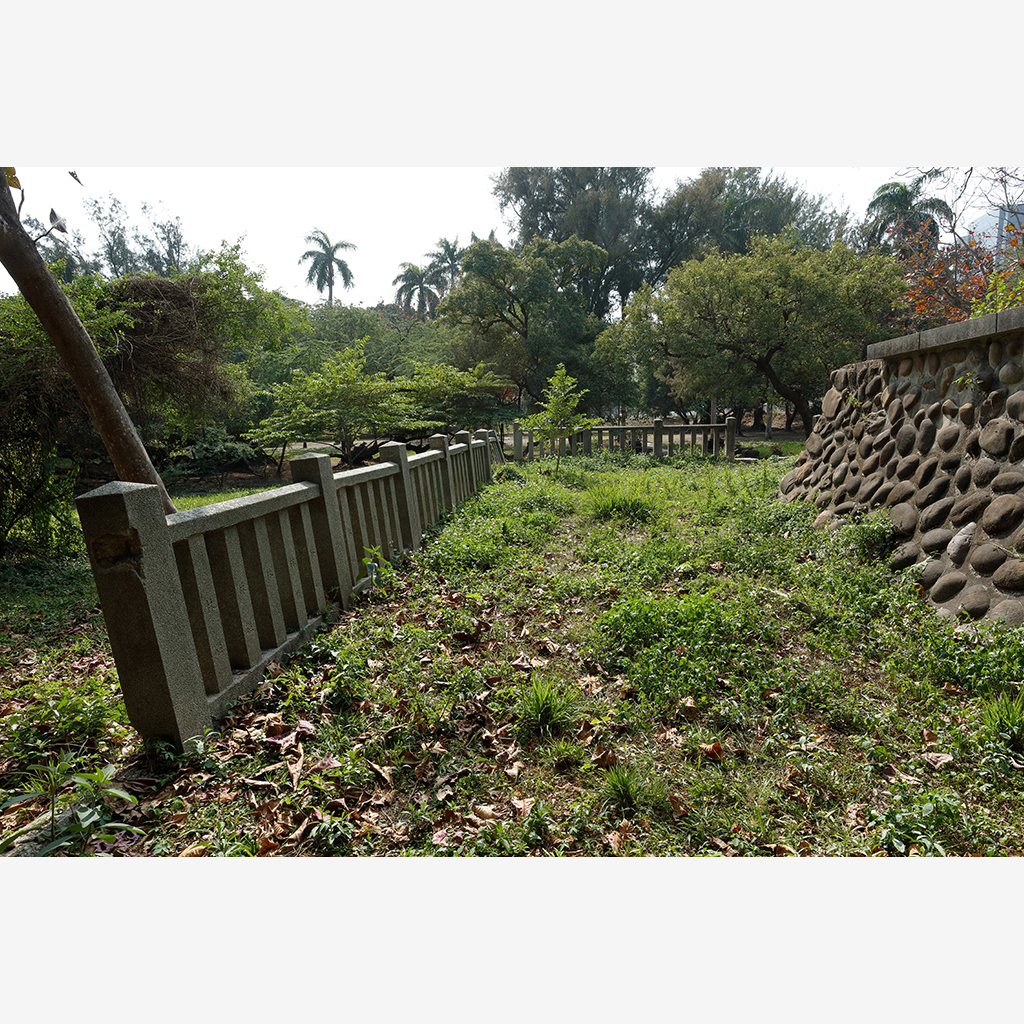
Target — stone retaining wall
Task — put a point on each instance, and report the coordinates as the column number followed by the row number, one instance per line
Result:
column 931, row 429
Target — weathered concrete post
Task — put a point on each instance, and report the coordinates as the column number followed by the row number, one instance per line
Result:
column 587, row 442
column 143, row 603
column 659, row 426
column 485, row 467
column 332, row 535
column 498, row 446
column 439, row 442
column 405, row 492
column 517, row 441
column 466, row 438
column 730, row 438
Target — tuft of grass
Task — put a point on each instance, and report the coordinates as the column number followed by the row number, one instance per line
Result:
column 545, row 709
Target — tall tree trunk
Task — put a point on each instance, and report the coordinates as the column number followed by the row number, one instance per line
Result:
column 77, row 352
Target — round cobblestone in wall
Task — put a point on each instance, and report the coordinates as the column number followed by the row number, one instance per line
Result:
column 949, row 464
column 904, row 519
column 906, row 437
column 984, row 472
column 936, row 540
column 987, row 557
column 1010, row 575
column 933, row 569
column 961, row 543
column 966, row 414
column 912, row 397
column 970, row 508
column 1009, row 611
column 902, row 491
column 1016, row 452
column 947, row 437
column 971, row 447
column 870, row 464
column 996, row 437
column 907, row 466
column 845, row 508
column 838, row 455
column 1003, row 514
column 926, row 471
column 1011, row 373
column 904, row 556
column 839, row 473
column 886, row 454
column 926, row 436
column 814, row 445
column 974, row 602
column 935, row 491
column 831, row 402
column 936, row 515
column 963, row 479
column 1015, row 406
column 947, row 586
column 869, row 487
column 881, row 496
column 1008, row 482
column 993, row 406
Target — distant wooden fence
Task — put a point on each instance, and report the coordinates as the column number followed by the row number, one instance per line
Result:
column 197, row 604
column 659, row 438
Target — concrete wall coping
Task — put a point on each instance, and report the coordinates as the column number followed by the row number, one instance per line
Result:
column 1006, row 321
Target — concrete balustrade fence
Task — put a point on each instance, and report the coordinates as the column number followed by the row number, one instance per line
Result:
column 660, row 438
column 197, row 604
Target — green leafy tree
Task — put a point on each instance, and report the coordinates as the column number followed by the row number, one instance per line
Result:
column 339, row 403
column 558, row 419
column 456, row 399
column 521, row 314
column 325, row 265
column 782, row 314
column 418, row 286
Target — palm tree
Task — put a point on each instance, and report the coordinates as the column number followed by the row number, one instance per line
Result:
column 418, row 284
column 904, row 212
column 325, row 264
column 446, row 262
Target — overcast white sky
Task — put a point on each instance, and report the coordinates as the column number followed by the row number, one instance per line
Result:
column 392, row 214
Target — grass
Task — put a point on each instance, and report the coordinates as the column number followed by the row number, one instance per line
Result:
column 628, row 659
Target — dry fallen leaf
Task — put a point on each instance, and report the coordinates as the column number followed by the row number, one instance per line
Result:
column 937, row 760
column 198, row 850
column 712, row 751
column 689, row 710
column 928, row 736
column 523, row 806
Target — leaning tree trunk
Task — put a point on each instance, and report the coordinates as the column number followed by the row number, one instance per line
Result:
column 43, row 293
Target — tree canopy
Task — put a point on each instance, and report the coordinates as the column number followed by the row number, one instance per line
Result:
column 783, row 314
column 521, row 314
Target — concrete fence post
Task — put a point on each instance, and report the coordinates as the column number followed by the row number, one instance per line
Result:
column 466, row 438
column 439, row 442
column 405, row 491
column 730, row 438
column 659, row 426
column 144, row 610
column 331, row 534
column 587, row 442
column 517, row 442
column 485, row 462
